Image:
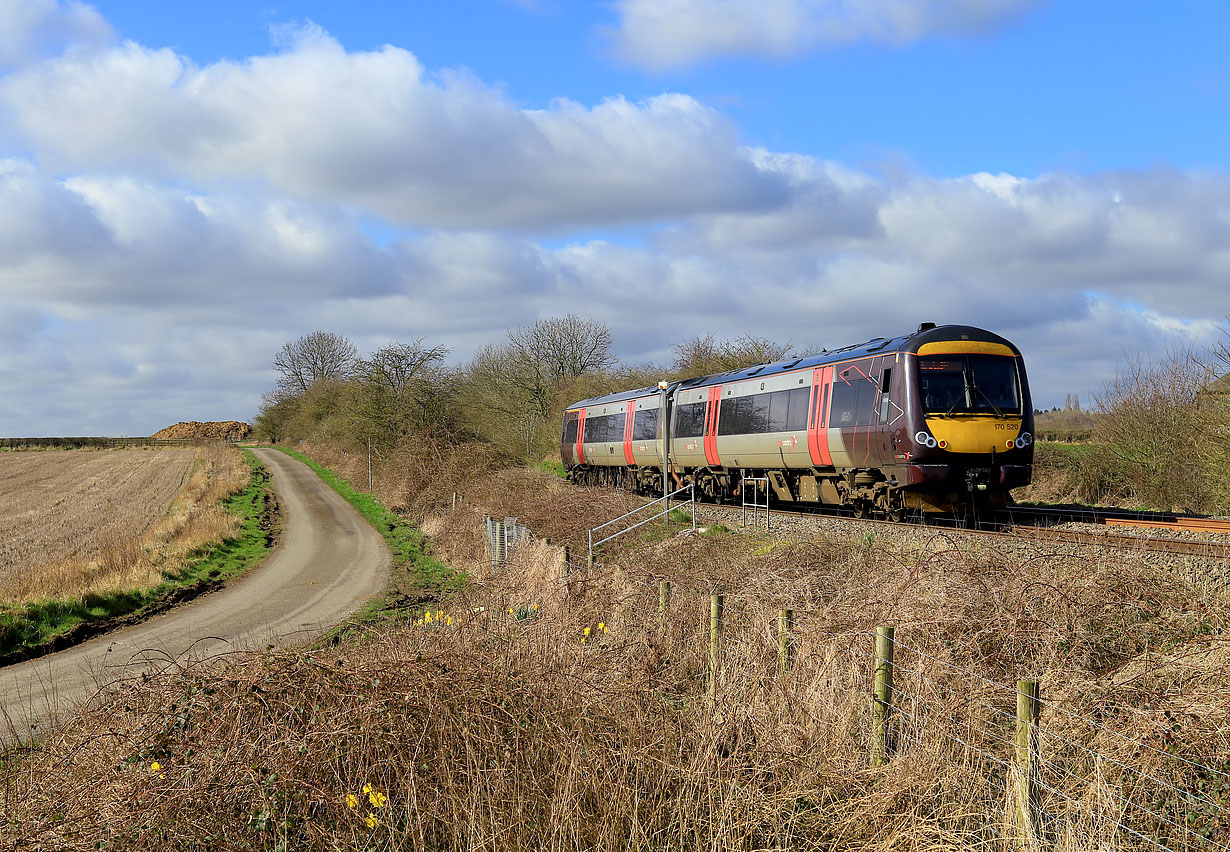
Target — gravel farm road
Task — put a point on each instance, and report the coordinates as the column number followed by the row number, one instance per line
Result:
column 327, row 563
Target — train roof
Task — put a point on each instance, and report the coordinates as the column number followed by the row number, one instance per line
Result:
column 926, row 333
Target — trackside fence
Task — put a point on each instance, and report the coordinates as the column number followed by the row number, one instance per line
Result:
column 1053, row 768
column 502, row 536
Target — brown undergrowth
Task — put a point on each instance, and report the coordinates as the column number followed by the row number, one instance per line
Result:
column 126, row 548
column 541, row 709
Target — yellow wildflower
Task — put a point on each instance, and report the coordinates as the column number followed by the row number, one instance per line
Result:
column 585, row 632
column 427, row 618
column 155, row 767
column 351, row 800
column 378, row 800
column 367, row 788
column 371, row 821
column 601, row 626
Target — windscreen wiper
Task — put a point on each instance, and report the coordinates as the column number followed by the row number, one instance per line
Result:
column 990, row 402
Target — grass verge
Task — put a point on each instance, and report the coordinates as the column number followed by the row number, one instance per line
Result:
column 420, row 576
column 39, row 627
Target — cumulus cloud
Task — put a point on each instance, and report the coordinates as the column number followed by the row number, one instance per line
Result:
column 176, row 224
column 660, row 34
column 375, row 129
column 173, row 301
column 30, row 29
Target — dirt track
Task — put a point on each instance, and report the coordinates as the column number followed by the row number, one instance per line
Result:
column 327, row 563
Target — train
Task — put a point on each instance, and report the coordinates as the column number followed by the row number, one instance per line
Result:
column 936, row 421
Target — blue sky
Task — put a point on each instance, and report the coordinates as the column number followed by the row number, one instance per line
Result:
column 1091, row 85
column 185, row 186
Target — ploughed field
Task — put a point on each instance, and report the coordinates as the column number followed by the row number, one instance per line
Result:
column 62, row 506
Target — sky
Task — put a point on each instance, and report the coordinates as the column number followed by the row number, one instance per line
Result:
column 186, row 186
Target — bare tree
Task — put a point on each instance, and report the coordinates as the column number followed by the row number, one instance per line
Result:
column 540, row 359
column 516, row 390
column 315, row 357
column 1162, row 433
column 403, row 388
column 706, row 354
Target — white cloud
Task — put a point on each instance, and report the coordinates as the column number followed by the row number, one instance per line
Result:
column 129, row 303
column 660, row 34
column 30, row 29
column 174, row 225
column 374, row 129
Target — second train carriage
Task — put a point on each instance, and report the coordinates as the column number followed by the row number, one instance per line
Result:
column 938, row 420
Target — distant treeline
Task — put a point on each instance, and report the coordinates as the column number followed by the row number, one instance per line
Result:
column 83, row 443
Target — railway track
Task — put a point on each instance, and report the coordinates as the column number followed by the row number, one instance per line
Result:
column 1038, row 524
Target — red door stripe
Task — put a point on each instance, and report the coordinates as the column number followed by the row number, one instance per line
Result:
column 817, row 421
column 711, row 422
column 628, row 457
column 581, row 437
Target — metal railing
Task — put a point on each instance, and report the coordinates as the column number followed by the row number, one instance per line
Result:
column 759, row 484
column 691, row 489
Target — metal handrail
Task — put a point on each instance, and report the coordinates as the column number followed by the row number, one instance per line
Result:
column 755, row 505
column 690, row 488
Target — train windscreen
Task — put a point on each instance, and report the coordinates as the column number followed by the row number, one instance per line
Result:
column 969, row 384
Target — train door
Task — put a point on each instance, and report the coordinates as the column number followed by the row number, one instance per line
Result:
column 817, row 420
column 888, row 411
column 711, row 424
column 581, row 438
column 628, row 457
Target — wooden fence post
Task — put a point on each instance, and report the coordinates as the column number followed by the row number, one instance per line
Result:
column 716, row 603
column 1027, row 801
column 883, row 701
column 785, row 642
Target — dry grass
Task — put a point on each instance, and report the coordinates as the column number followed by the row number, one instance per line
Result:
column 509, row 726
column 85, row 522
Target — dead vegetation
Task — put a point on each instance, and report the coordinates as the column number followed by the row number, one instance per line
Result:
column 538, row 711
column 83, row 522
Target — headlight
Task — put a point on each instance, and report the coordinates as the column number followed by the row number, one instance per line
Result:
column 926, row 440
column 1023, row 440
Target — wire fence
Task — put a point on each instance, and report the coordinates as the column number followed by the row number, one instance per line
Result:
column 1042, row 755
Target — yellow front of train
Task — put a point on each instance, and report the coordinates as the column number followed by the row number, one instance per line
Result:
column 973, row 419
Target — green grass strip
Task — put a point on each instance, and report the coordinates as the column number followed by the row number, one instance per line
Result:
column 39, row 627
column 411, row 550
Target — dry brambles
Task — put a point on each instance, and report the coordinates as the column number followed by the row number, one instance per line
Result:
column 544, row 711
column 93, row 521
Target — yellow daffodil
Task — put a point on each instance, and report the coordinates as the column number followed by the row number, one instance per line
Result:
column 351, row 800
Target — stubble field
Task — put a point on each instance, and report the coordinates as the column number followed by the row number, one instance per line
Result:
column 80, row 521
